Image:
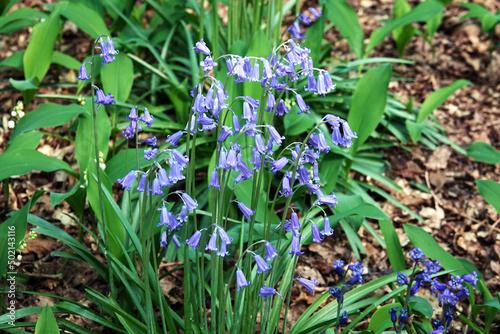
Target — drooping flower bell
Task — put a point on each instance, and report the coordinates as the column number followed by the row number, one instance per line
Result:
column 83, row 72
column 241, row 280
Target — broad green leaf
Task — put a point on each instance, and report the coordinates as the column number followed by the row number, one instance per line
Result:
column 20, row 162
column 368, row 103
column 438, row 97
column 47, row 115
column 487, row 19
column 423, row 240
column 65, row 60
column 38, row 55
column 381, row 320
column 118, row 77
column 490, row 190
column 415, row 130
column 483, row 152
column 118, row 166
column 46, row 323
column 24, row 85
column 421, row 13
column 15, row 61
column 345, row 19
column 394, row 249
column 404, row 34
column 295, row 124
column 433, row 24
column 21, row 18
column 25, row 141
column 85, row 18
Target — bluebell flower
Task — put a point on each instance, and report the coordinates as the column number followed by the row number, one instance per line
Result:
column 282, row 109
column 129, row 131
column 247, row 212
column 163, row 241
column 311, row 83
column 231, row 160
column 173, row 223
column 417, row 254
column 402, row 278
column 394, row 315
column 256, row 159
column 464, row 293
column 194, row 240
column 302, row 105
column 316, row 236
column 182, row 217
column 201, row 46
column 335, row 292
column 181, row 159
column 245, row 172
column 438, row 330
column 296, row 246
column 448, row 315
column 315, row 13
column 191, row 125
column 403, row 315
column 212, row 243
column 270, row 251
column 241, row 280
column 277, row 165
column 111, row 47
column 414, row 289
column 147, row 118
column 175, row 171
column 107, row 50
column 271, row 102
column 327, row 230
column 267, row 73
column 255, row 75
column 157, row 187
column 330, row 200
column 356, row 268
column 151, row 141
column 296, row 31
column 262, row 266
column 267, row 291
column 355, row 279
column 142, row 183
column 165, row 180
column 225, row 133
column 222, row 251
column 214, row 180
column 286, row 190
column 455, row 282
column 150, row 153
column 199, row 104
column 207, row 123
column 315, row 171
column 132, row 116
column 338, row 266
column 328, row 81
column 470, row 278
column 433, row 266
column 322, row 145
column 127, row 181
column 308, row 284
column 164, row 218
column 343, row 318
column 437, row 286
column 174, row 138
column 83, row 72
column 321, row 87
column 294, row 221
column 190, row 203
column 208, row 64
column 104, row 99
column 176, row 241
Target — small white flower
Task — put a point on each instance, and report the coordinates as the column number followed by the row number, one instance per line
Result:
column 13, row 113
column 11, row 124
column 21, row 114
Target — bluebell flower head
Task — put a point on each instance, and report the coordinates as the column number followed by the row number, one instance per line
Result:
column 127, row 181
column 201, row 46
column 343, row 318
column 270, row 251
column 255, row 75
column 190, row 203
column 296, row 246
column 322, row 145
column 448, row 315
column 286, row 190
column 83, row 72
column 271, row 102
column 212, row 243
column 181, row 159
column 208, row 64
column 470, row 278
column 296, row 31
column 416, row 254
column 438, row 330
column 164, row 218
column 275, row 135
column 314, row 12
column 308, row 284
column 432, row 266
column 447, row 297
column 403, row 315
column 241, row 280
column 355, row 279
column 267, row 291
column 176, row 241
column 174, row 138
column 316, row 236
column 294, row 220
column 402, row 278
column 175, row 171
column 277, row 165
column 330, row 200
column 104, row 99
column 338, row 266
column 247, row 212
column 142, row 183
column 165, row 180
column 327, row 230
column 356, row 268
column 173, row 223
column 214, row 180
column 150, row 153
column 302, row 105
column 464, row 293
column 225, row 133
column 163, row 240
column 282, row 109
column 111, row 47
column 222, row 251
column 321, row 87
column 245, row 172
column 335, row 292
column 133, row 114
column 151, row 141
column 182, row 217
column 147, row 118
column 394, row 315
column 157, row 187
column 223, row 236
column 455, row 282
column 414, row 289
column 194, row 240
column 437, row 286
column 311, row 83
column 262, row 266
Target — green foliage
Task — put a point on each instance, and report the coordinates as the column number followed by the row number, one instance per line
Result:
column 488, row 20
column 404, row 34
column 490, row 190
column 483, row 152
column 46, row 323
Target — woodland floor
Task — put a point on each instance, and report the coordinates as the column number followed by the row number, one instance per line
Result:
column 456, row 215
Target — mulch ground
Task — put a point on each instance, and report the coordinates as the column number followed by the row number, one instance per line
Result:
column 456, row 215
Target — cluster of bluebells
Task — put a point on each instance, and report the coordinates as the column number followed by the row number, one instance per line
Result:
column 356, row 272
column 448, row 294
column 295, row 30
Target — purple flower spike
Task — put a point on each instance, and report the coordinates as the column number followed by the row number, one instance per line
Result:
column 241, row 280
column 247, row 212
column 316, row 236
column 327, row 230
column 142, row 183
column 190, row 203
column 174, row 139
column 127, row 181
column 262, row 266
column 147, row 118
column 308, row 284
column 267, row 291
column 302, row 105
column 296, row 246
column 176, row 241
column 83, row 72
column 270, row 251
column 201, row 46
column 163, row 241
column 194, row 240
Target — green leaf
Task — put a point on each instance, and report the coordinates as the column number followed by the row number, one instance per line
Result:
column 368, row 103
column 415, row 130
column 422, row 12
column 38, row 55
column 65, row 60
column 47, row 115
column 25, row 141
column 490, row 190
column 24, row 85
column 404, row 34
column 21, row 18
column 487, row 19
column 381, row 320
column 85, row 18
column 117, row 77
column 46, row 323
column 345, row 19
column 394, row 249
column 20, row 162
column 438, row 97
column 15, row 61
column 483, row 152
column 433, row 24
column 296, row 124
column 118, row 166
